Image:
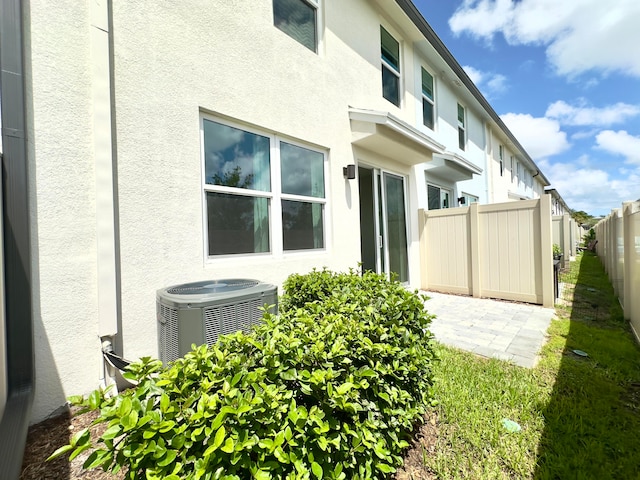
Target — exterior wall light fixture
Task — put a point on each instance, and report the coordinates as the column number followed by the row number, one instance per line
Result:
column 349, row 172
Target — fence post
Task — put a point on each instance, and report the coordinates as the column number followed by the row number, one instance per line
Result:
column 629, row 252
column 422, row 228
column 474, row 258
column 566, row 241
column 546, row 251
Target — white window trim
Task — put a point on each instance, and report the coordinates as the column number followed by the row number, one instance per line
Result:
column 513, row 169
column 275, row 195
column 464, row 127
column 501, row 158
column 423, row 97
column 446, row 189
column 397, row 73
column 467, row 196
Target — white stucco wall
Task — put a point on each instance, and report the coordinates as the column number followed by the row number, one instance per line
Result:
column 62, row 203
column 170, row 64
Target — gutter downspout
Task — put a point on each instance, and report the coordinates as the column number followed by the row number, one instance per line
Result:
column 16, row 243
column 104, row 148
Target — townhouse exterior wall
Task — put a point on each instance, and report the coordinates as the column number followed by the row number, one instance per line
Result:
column 173, row 68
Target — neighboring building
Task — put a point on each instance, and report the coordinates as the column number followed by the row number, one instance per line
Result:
column 558, row 205
column 199, row 140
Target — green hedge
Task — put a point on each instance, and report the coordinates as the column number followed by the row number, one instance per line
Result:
column 330, row 388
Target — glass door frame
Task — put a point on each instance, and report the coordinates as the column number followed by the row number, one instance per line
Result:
column 380, row 208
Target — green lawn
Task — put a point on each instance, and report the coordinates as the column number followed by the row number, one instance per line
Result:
column 580, row 416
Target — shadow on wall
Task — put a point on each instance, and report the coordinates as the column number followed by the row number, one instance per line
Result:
column 592, row 418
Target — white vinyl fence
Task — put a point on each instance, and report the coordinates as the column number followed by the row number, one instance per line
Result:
column 618, row 247
column 499, row 250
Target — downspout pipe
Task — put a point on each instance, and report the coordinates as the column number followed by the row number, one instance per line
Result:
column 16, row 244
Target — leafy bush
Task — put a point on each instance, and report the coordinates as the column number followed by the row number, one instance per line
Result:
column 331, row 388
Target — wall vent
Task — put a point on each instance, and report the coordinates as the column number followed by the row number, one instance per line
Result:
column 199, row 312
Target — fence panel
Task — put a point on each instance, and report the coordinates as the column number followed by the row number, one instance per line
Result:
column 498, row 250
column 447, row 247
column 632, row 267
column 618, row 248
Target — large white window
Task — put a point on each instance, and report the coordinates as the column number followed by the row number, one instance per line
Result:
column 501, row 155
column 298, row 19
column 438, row 197
column 390, row 54
column 428, row 100
column 262, row 193
column 462, row 128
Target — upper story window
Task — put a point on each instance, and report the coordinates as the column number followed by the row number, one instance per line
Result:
column 390, row 54
column 501, row 155
column 298, row 19
column 513, row 169
column 428, row 99
column 462, row 129
column 262, row 194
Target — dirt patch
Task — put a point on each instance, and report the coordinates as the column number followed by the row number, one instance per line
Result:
column 46, row 437
column 424, row 444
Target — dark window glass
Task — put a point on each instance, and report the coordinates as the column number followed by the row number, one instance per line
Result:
column 427, row 84
column 433, row 194
column 297, row 19
column 390, row 86
column 302, row 225
column 236, row 158
column 237, row 224
column 390, row 53
column 302, row 171
column 390, row 49
column 427, row 113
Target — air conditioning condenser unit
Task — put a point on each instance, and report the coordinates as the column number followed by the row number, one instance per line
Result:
column 199, row 312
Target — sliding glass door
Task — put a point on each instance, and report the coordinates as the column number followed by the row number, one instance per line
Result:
column 383, row 223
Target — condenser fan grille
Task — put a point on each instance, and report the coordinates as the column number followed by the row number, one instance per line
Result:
column 215, row 286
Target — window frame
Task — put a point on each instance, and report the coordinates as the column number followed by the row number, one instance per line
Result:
column 274, row 196
column 384, row 64
column 462, row 126
column 513, row 166
column 425, row 97
column 467, row 199
column 442, row 189
column 501, row 158
column 315, row 5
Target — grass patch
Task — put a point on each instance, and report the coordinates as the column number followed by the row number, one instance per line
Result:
column 579, row 416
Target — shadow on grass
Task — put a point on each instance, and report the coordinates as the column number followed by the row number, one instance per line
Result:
column 592, row 421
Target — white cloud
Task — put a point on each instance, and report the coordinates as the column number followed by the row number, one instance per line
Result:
column 541, row 137
column 584, row 115
column 488, row 82
column 584, row 134
column 591, row 189
column 580, row 35
column 475, row 75
column 497, row 83
column 620, row 143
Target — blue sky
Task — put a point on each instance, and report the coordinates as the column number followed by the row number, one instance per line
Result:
column 565, row 78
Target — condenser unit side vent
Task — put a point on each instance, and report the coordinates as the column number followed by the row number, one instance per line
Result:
column 168, row 331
